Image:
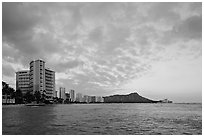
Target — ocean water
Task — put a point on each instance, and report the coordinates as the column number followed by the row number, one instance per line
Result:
column 103, row 119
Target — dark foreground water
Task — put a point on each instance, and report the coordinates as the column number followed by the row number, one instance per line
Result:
column 103, row 119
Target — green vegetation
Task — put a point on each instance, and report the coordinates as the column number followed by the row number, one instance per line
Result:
column 7, row 90
column 18, row 97
column 29, row 97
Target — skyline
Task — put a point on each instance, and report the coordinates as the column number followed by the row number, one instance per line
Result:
column 109, row 48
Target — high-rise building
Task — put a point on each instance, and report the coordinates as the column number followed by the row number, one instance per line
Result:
column 23, row 81
column 55, row 94
column 79, row 97
column 62, row 93
column 49, row 82
column 72, row 95
column 67, row 96
column 38, row 77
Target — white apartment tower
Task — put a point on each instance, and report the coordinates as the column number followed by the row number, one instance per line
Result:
column 42, row 78
column 38, row 78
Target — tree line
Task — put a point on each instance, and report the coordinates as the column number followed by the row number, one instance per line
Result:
column 21, row 98
column 30, row 97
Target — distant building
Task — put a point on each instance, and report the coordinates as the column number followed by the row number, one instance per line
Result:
column 72, row 95
column 166, row 101
column 93, row 99
column 99, row 99
column 55, row 94
column 89, row 99
column 79, row 97
column 67, row 95
column 23, row 81
column 62, row 93
column 85, row 98
column 102, row 99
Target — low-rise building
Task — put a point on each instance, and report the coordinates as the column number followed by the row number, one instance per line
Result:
column 89, row 99
column 85, row 98
column 99, row 99
column 93, row 99
column 165, row 101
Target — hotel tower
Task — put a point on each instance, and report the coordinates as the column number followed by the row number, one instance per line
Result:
column 38, row 78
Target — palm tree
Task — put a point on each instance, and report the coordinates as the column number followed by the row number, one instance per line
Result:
column 37, row 96
column 29, row 97
column 18, row 97
column 43, row 99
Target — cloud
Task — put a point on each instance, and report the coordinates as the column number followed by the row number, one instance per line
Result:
column 189, row 28
column 97, row 47
column 15, row 20
column 164, row 11
column 97, row 35
column 64, row 66
column 8, row 70
column 197, row 7
column 185, row 30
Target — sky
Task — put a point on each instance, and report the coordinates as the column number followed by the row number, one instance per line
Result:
column 154, row 49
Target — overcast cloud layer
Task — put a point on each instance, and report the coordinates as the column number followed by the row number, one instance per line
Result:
column 109, row 48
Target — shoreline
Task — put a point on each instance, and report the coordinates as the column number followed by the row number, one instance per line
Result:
column 7, row 105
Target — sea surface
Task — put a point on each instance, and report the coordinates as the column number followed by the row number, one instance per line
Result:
column 102, row 119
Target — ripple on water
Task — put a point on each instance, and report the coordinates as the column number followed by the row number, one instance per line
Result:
column 58, row 125
column 111, row 119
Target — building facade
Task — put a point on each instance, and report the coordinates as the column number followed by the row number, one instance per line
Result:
column 99, row 99
column 67, row 96
column 72, row 95
column 62, row 93
column 55, row 94
column 93, row 99
column 23, row 81
column 79, row 97
column 89, row 99
column 49, row 82
column 85, row 98
column 38, row 78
